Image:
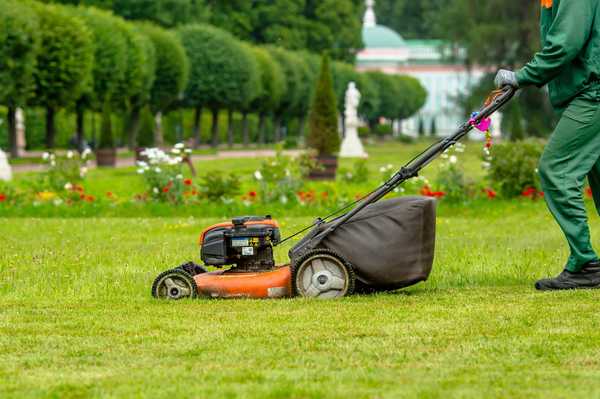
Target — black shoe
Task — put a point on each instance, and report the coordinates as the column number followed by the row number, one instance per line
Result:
column 588, row 277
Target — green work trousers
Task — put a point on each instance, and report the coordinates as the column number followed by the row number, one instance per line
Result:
column 572, row 153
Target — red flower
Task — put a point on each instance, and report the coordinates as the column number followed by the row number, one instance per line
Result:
column 90, row 198
column 588, row 193
column 194, row 192
column 187, row 182
column 78, row 188
column 252, row 194
column 426, row 191
column 2, row 197
column 324, row 195
column 165, row 189
column 529, row 192
column 491, row 194
column 81, row 196
column 109, row 194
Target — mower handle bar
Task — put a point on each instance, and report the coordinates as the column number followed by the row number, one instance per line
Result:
column 496, row 101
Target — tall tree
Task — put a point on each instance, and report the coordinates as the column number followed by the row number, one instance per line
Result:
column 64, row 67
column 323, row 134
column 171, row 74
column 222, row 75
column 19, row 46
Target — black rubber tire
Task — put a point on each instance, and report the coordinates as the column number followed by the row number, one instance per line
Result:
column 296, row 264
column 179, row 273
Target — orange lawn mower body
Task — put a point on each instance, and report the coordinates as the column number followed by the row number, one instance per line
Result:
column 377, row 245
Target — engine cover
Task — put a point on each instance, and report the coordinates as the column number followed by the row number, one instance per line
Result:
column 246, row 242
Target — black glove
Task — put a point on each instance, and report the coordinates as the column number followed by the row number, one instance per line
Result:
column 506, row 78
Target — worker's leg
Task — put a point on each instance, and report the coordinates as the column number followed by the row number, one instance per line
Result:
column 594, row 180
column 571, row 154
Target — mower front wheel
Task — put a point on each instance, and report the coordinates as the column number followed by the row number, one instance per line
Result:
column 174, row 284
column 322, row 274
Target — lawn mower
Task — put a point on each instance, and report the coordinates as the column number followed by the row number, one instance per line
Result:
column 375, row 245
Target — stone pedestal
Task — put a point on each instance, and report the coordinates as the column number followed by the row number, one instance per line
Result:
column 351, row 145
column 5, row 169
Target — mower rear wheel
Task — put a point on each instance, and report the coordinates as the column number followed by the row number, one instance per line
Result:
column 174, row 284
column 322, row 274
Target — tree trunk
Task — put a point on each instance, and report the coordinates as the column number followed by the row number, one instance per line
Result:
column 277, row 127
column 215, row 129
column 245, row 129
column 12, row 131
column 158, row 132
column 79, row 126
column 50, row 127
column 134, row 128
column 302, row 127
column 262, row 121
column 196, row 134
column 230, row 128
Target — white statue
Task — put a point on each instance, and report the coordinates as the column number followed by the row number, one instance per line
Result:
column 5, row 170
column 351, row 146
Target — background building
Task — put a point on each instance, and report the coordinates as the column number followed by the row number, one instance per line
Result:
column 440, row 70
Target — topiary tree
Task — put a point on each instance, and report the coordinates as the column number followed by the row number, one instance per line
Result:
column 19, row 46
column 273, row 86
column 323, row 135
column 64, row 66
column 389, row 94
column 246, row 96
column 369, row 99
column 171, row 75
column 109, row 71
column 141, row 70
column 294, row 90
column 221, row 76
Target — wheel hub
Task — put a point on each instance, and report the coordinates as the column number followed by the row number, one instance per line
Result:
column 322, row 276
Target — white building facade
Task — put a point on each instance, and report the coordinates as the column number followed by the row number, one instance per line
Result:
column 444, row 76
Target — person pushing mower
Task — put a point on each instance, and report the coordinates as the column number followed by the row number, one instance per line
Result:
column 569, row 63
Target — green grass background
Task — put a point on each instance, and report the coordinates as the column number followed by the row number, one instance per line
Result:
column 77, row 319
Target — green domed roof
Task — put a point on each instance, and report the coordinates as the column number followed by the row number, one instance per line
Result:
column 379, row 36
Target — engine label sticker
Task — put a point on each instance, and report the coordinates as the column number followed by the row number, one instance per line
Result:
column 239, row 242
column 247, row 251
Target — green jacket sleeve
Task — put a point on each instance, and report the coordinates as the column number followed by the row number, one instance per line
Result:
column 566, row 37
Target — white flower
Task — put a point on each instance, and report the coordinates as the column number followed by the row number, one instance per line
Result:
column 178, row 160
column 69, row 154
column 179, row 146
column 179, row 177
column 83, row 171
column 57, row 202
column 283, row 199
column 141, row 171
column 45, row 156
column 85, row 153
column 485, row 165
column 155, row 190
column 453, row 159
column 188, row 150
column 142, row 164
column 68, row 186
column 157, row 170
column 444, row 156
column 382, row 169
column 176, row 151
column 52, row 163
column 258, row 175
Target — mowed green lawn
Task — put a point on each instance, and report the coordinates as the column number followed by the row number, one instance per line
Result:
column 77, row 319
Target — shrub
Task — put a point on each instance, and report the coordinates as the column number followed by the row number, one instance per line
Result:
column 358, row 174
column 279, row 178
column 383, row 130
column 219, row 187
column 163, row 174
column 323, row 135
column 63, row 172
column 513, row 166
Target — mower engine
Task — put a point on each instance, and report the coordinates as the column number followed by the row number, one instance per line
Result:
column 245, row 242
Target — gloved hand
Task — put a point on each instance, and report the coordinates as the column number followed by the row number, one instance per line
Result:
column 506, row 78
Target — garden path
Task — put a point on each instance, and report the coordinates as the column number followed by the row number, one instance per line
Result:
column 130, row 161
